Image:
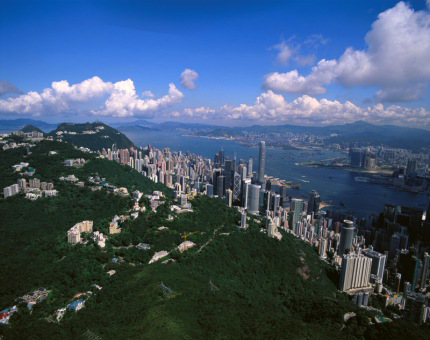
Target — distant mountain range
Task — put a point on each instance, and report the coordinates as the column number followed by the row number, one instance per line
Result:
column 360, row 132
column 18, row 124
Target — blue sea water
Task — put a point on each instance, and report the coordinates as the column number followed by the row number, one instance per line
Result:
column 335, row 186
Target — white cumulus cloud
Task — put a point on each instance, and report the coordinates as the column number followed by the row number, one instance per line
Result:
column 62, row 97
column 124, row 102
column 289, row 51
column 271, row 107
column 188, row 77
column 396, row 60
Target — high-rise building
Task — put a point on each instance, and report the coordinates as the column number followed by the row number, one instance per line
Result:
column 209, row 190
column 378, row 262
column 346, row 237
column 124, row 156
column 411, row 167
column 276, row 201
column 74, row 235
column 34, row 183
column 425, row 270
column 220, row 190
column 250, row 167
column 261, row 162
column 237, row 182
column 264, row 201
column 242, row 171
column 221, row 157
column 22, row 183
column 314, row 203
column 355, row 272
column 245, row 192
column 322, row 251
column 398, row 242
column 229, row 197
column 227, row 173
column 356, row 157
column 243, row 218
column 254, row 199
column 415, row 307
column 296, row 208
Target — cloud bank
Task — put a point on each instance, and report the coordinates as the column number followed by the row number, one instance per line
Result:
column 61, row 97
column 396, row 61
column 188, row 77
column 271, row 108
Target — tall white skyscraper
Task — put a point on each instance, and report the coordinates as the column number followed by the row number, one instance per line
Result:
column 250, row 167
column 355, row 272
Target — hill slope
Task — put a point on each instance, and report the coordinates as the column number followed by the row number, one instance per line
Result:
column 31, row 128
column 94, row 136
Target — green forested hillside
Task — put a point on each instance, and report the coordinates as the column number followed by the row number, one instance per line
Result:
column 31, row 128
column 103, row 138
column 233, row 284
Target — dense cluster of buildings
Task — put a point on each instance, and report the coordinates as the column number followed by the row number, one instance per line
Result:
column 373, row 255
column 410, row 173
column 33, row 189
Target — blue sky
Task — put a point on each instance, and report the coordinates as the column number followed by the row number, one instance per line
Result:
column 233, row 46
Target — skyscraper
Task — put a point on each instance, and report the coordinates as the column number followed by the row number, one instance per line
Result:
column 425, row 270
column 314, row 203
column 250, row 167
column 245, row 192
column 236, row 186
column 355, row 272
column 261, row 162
column 227, row 173
column 254, row 199
column 411, row 167
column 221, row 156
column 229, row 197
column 242, row 171
column 276, row 200
column 378, row 262
column 220, row 190
column 209, row 190
column 296, row 209
column 243, row 219
column 346, row 236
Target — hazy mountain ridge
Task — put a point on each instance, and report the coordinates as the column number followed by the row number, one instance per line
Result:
column 18, row 124
column 359, row 131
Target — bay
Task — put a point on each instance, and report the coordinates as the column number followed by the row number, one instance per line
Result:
column 335, row 186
